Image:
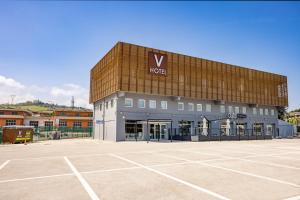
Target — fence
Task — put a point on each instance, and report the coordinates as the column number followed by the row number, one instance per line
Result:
column 54, row 133
column 219, row 134
column 1, row 134
column 210, row 134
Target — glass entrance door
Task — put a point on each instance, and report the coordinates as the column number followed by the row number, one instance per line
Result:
column 158, row 131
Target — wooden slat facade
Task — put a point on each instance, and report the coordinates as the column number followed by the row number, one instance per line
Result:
column 125, row 68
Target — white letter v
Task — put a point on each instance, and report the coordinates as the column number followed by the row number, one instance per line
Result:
column 158, row 63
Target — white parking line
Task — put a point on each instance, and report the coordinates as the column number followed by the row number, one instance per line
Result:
column 173, row 178
column 4, row 164
column 248, row 160
column 83, row 182
column 293, row 198
column 36, row 177
column 253, row 175
column 240, row 172
column 109, row 170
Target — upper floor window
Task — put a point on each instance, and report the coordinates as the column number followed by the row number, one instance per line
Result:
column 152, row 104
column 244, row 110
column 14, row 113
column 222, row 109
column 141, row 103
column 237, row 110
column 208, row 108
column 1, row 113
column 106, row 105
column 77, row 114
column 254, row 111
column 190, row 107
column 164, row 105
column 112, row 103
column 272, row 112
column 180, row 106
column 128, row 102
column 199, row 107
column 34, row 123
column 100, row 107
column 90, row 123
column 261, row 111
column 266, row 111
column 230, row 109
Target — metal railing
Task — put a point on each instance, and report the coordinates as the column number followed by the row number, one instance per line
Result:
column 1, row 135
column 218, row 134
column 55, row 133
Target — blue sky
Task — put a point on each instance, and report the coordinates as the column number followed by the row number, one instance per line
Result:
column 48, row 48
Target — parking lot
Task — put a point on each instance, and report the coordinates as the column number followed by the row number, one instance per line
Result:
column 89, row 169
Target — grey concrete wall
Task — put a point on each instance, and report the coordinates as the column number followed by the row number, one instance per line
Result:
column 115, row 129
column 172, row 112
column 106, row 129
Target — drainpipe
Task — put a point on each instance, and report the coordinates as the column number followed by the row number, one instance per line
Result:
column 104, row 106
column 94, row 125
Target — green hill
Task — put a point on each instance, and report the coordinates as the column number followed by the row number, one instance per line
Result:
column 36, row 106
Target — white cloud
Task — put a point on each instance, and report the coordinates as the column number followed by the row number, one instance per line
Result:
column 9, row 82
column 56, row 94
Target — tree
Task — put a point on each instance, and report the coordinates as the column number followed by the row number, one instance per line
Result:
column 282, row 111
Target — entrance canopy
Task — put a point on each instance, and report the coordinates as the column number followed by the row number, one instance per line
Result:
column 159, row 120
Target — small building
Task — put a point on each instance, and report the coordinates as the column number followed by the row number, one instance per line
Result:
column 76, row 118
column 40, row 119
column 150, row 94
column 68, row 118
column 13, row 117
column 285, row 129
column 294, row 118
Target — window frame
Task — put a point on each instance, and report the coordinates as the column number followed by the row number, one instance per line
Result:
column 180, row 103
column 254, row 111
column 112, row 103
column 128, row 100
column 144, row 103
column 199, row 105
column 230, row 109
column 236, row 109
column 166, row 105
column 244, row 110
column 222, row 109
column 77, row 124
column 154, row 103
column 266, row 111
column 208, row 106
column 261, row 111
column 272, row 112
column 10, row 122
column 192, row 107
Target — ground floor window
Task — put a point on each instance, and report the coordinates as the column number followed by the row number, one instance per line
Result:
column 241, row 129
column 185, row 127
column 133, row 129
column 35, row 124
column 48, row 123
column 223, row 127
column 270, row 129
column 258, row 129
column 10, row 122
column 77, row 124
column 62, row 123
column 199, row 128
